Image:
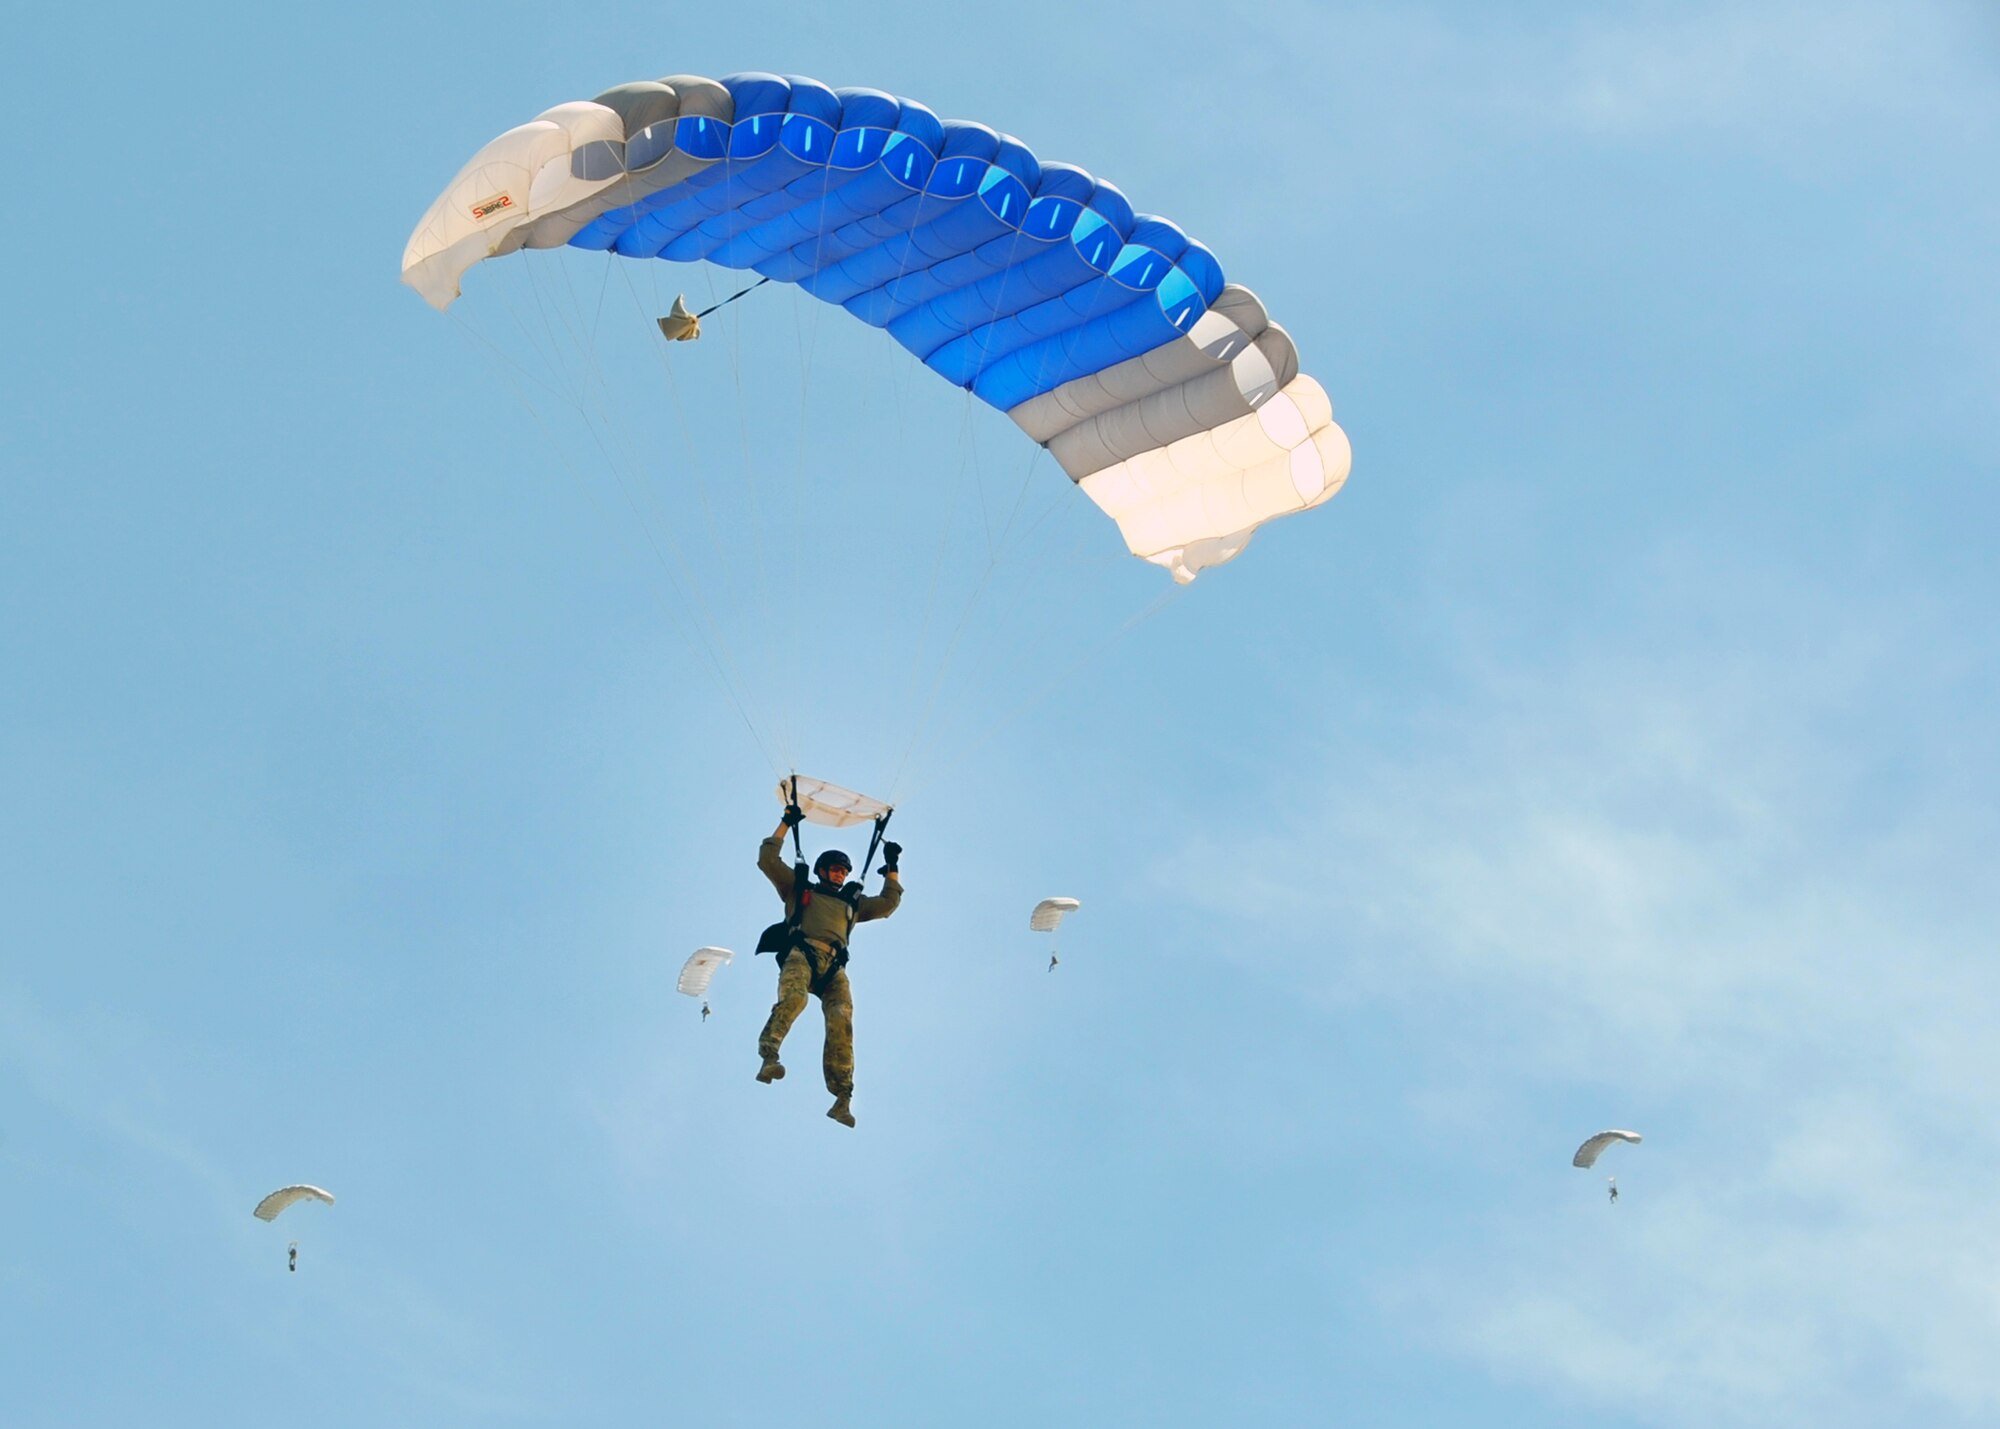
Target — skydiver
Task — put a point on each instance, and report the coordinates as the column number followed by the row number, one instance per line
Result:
column 704, row 1012
column 820, row 920
column 1614, row 1190
column 293, row 1263
column 1052, row 962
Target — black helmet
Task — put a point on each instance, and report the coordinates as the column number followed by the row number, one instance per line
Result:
column 829, row 859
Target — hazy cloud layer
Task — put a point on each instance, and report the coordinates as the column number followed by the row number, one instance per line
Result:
column 1663, row 884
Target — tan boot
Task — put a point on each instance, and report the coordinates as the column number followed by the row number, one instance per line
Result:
column 840, row 1112
column 772, row 1071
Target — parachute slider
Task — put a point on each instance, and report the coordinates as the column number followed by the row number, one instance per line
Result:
column 829, row 804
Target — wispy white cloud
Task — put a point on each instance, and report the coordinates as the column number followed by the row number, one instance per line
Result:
column 1763, row 73
column 1844, row 1276
column 116, row 1083
column 1746, row 891
column 98, row 1077
column 1759, row 66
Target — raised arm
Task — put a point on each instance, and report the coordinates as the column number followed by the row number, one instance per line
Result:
column 891, row 896
column 867, row 909
column 771, row 861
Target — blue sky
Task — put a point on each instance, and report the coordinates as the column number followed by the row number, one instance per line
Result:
column 1616, row 749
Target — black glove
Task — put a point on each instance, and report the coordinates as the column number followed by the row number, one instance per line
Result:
column 794, row 816
column 890, row 853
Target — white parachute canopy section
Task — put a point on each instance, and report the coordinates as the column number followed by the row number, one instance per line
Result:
column 1587, row 1154
column 700, row 967
column 1049, row 913
column 830, row 804
column 269, row 1208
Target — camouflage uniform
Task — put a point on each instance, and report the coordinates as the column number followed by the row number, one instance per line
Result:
column 829, row 919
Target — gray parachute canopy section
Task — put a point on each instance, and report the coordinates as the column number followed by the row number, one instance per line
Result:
column 700, row 967
column 1587, row 1154
column 269, row 1208
column 1049, row 913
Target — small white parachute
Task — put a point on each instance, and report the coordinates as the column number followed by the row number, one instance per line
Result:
column 830, row 804
column 1587, row 1154
column 269, row 1208
column 700, row 967
column 1047, row 917
column 1048, row 914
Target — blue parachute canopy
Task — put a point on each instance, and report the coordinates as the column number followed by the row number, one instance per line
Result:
column 1109, row 336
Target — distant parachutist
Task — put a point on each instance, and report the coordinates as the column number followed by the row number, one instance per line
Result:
column 1614, row 1190
column 1047, row 917
column 696, row 972
column 273, row 1206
